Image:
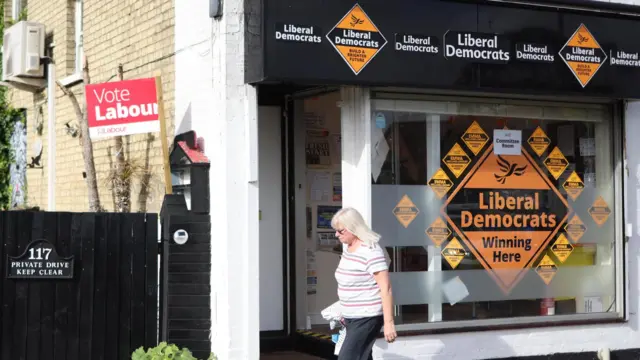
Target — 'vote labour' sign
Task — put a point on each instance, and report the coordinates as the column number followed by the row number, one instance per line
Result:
column 122, row 108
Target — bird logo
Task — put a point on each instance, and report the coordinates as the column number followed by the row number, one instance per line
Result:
column 582, row 39
column 355, row 21
column 508, row 169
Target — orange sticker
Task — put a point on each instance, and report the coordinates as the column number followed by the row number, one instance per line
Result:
column 539, row 141
column 440, row 183
column 453, row 253
column 573, row 186
column 583, row 55
column 575, row 228
column 475, row 138
column 546, row 269
column 456, row 160
column 506, row 230
column 600, row 211
column 556, row 163
column 406, row 211
column 561, row 248
column 357, row 39
column 438, row 232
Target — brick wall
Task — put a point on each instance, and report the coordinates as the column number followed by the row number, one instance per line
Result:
column 140, row 36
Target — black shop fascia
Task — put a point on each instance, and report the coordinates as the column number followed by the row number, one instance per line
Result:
column 500, row 48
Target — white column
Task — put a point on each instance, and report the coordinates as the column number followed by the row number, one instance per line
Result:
column 355, row 118
column 433, row 252
column 213, row 100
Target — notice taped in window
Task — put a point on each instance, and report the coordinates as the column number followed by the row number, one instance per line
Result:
column 547, row 269
column 456, row 160
column 440, row 183
column 406, row 211
column 575, row 228
column 539, row 141
column 573, row 186
column 583, row 55
column 600, row 211
column 556, row 163
column 318, row 151
column 475, row 138
column 454, row 253
column 357, row 39
column 438, row 232
column 562, row 248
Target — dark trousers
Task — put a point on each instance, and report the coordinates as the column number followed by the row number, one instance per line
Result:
column 361, row 335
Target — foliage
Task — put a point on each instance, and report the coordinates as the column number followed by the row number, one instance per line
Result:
column 133, row 174
column 165, row 351
column 9, row 116
column 120, row 179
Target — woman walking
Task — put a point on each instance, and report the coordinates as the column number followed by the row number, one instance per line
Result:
column 364, row 289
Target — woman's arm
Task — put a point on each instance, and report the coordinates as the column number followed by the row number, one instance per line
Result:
column 382, row 278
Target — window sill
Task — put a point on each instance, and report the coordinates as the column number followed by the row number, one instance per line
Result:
column 71, row 80
column 602, row 320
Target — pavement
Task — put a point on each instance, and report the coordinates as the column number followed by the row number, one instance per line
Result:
column 288, row 355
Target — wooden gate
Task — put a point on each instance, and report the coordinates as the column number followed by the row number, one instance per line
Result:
column 109, row 307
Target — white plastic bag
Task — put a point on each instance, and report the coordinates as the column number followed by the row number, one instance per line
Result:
column 332, row 313
column 341, row 337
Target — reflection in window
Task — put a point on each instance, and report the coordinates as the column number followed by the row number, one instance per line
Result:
column 525, row 235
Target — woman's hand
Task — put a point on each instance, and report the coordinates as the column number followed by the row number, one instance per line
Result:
column 390, row 331
column 382, row 278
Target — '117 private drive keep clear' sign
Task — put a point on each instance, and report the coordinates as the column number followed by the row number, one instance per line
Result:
column 40, row 260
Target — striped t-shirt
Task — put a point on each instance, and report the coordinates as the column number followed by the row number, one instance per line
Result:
column 358, row 291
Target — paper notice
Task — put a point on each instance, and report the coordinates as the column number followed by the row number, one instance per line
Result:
column 379, row 152
column 455, row 290
column 593, row 304
column 320, row 186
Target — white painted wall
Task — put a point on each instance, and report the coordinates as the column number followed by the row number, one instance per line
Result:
column 507, row 343
column 213, row 100
column 193, row 67
column 271, row 240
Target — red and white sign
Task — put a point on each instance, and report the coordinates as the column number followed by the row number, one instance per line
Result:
column 122, row 108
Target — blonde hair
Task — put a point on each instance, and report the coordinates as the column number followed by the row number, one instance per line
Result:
column 350, row 219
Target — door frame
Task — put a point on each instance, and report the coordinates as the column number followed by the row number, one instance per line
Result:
column 277, row 340
column 289, row 338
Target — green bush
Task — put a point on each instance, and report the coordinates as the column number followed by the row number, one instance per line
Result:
column 165, row 351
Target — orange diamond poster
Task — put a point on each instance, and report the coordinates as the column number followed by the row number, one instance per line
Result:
column 583, row 55
column 475, row 138
column 511, row 221
column 357, row 39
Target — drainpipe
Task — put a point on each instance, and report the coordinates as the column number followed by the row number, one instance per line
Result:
column 51, row 132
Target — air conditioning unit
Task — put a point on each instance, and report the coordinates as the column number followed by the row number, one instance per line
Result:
column 22, row 49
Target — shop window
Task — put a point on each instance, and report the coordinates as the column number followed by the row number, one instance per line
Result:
column 497, row 210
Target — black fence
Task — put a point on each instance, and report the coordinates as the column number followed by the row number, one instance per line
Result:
column 109, row 307
column 186, row 319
